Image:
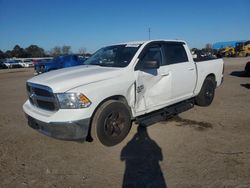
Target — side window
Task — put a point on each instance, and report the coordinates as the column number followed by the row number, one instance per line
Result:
column 152, row 54
column 175, row 53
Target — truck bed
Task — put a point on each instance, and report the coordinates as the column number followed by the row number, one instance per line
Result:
column 208, row 67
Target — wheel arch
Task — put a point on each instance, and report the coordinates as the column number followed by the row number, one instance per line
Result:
column 211, row 75
column 120, row 98
column 201, row 98
column 202, row 80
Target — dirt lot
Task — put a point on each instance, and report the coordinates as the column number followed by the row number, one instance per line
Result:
column 203, row 147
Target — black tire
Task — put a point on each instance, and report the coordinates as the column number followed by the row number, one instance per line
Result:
column 111, row 123
column 206, row 95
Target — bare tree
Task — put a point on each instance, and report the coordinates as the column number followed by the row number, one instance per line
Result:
column 208, row 46
column 82, row 51
column 66, row 49
column 56, row 51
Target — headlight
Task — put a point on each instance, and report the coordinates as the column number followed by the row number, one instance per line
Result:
column 73, row 100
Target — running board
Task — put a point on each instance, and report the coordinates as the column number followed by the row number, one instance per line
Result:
column 165, row 113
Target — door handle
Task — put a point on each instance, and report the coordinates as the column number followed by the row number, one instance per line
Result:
column 190, row 69
column 165, row 74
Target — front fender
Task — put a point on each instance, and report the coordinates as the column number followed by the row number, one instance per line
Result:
column 100, row 91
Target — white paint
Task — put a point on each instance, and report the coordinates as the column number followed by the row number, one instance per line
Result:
column 145, row 91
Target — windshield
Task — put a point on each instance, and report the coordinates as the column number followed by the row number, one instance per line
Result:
column 113, row 56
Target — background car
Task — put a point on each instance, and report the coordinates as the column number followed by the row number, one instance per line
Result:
column 12, row 64
column 26, row 63
column 2, row 66
column 21, row 64
column 58, row 62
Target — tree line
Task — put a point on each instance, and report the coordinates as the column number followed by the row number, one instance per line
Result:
column 36, row 51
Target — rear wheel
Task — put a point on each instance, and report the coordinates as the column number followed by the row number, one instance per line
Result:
column 111, row 123
column 206, row 95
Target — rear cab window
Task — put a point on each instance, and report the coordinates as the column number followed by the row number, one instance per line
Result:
column 175, row 53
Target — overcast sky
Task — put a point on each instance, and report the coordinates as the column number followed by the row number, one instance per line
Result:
column 95, row 23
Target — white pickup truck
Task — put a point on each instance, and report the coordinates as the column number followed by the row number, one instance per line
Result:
column 120, row 84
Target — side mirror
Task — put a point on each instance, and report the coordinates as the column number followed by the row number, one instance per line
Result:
column 151, row 64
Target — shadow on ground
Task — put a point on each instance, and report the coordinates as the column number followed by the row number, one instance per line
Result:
column 142, row 156
column 245, row 86
column 241, row 74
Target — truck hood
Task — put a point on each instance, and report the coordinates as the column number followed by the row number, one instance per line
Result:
column 65, row 79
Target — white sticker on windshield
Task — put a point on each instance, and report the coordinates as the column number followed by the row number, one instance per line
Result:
column 133, row 45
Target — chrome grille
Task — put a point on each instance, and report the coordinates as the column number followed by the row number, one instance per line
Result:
column 42, row 97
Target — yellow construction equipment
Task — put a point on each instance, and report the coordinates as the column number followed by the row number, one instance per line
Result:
column 226, row 52
column 242, row 49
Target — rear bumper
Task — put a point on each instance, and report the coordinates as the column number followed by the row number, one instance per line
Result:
column 76, row 130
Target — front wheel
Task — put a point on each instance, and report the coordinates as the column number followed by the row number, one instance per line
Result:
column 206, row 95
column 111, row 123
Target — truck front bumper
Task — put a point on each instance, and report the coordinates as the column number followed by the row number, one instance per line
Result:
column 75, row 130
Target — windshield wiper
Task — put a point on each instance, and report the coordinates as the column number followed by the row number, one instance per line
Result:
column 101, row 64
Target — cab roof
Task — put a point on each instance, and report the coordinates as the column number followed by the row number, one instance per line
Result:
column 148, row 41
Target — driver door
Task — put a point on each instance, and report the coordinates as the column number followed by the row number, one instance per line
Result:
column 153, row 84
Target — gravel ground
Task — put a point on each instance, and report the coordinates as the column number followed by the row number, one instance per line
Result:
column 203, row 147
